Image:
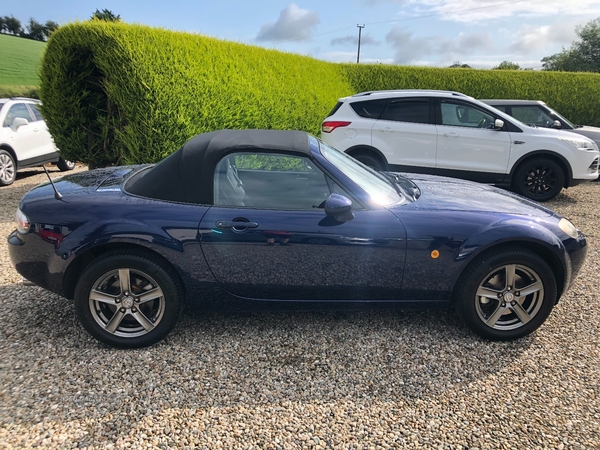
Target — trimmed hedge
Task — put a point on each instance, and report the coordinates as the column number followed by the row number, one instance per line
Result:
column 120, row 94
column 574, row 95
column 116, row 93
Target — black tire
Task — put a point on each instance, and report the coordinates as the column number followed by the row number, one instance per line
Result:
column 138, row 322
column 8, row 168
column 369, row 160
column 64, row 164
column 492, row 308
column 540, row 179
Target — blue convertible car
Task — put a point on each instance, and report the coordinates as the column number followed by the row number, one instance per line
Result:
column 254, row 218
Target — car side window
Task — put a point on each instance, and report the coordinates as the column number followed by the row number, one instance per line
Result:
column 462, row 115
column 271, row 180
column 500, row 108
column 369, row 109
column 36, row 112
column 533, row 115
column 407, row 110
column 17, row 110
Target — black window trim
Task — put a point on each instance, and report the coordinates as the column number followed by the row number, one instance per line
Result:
column 428, row 99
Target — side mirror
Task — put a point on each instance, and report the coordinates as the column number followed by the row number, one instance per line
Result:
column 19, row 122
column 556, row 124
column 339, row 207
column 498, row 124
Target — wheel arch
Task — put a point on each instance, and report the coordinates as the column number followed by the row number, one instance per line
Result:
column 559, row 159
column 10, row 150
column 369, row 150
column 83, row 260
column 553, row 260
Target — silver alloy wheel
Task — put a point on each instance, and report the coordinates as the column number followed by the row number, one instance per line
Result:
column 127, row 302
column 7, row 168
column 509, row 297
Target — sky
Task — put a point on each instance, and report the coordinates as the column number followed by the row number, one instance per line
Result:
column 437, row 33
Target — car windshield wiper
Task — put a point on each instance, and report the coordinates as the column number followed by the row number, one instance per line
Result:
column 408, row 187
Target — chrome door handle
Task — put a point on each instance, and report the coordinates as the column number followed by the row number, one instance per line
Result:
column 386, row 130
column 452, row 135
column 239, row 224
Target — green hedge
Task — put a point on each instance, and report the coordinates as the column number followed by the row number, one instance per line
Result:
column 575, row 95
column 117, row 93
column 120, row 93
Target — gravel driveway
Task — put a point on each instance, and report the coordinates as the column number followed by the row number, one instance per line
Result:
column 301, row 380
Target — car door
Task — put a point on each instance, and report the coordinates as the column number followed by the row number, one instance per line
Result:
column 268, row 237
column 25, row 139
column 468, row 143
column 45, row 142
column 406, row 133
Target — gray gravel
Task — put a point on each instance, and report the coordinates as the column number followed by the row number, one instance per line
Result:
column 301, row 380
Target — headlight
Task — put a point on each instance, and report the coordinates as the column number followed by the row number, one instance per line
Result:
column 568, row 228
column 580, row 144
column 22, row 222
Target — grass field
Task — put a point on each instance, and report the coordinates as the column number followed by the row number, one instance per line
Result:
column 20, row 63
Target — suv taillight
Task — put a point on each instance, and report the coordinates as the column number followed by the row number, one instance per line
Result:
column 330, row 125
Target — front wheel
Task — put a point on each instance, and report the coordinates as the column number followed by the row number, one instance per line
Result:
column 64, row 165
column 506, row 294
column 128, row 300
column 8, row 168
column 539, row 179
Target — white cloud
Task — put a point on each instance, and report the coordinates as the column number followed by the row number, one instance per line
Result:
column 350, row 57
column 365, row 39
column 408, row 48
column 411, row 50
column 294, row 24
column 530, row 39
column 471, row 11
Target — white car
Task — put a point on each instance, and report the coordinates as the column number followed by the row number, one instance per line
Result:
column 24, row 139
column 452, row 134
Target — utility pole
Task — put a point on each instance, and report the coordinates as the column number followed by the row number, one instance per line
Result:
column 360, row 27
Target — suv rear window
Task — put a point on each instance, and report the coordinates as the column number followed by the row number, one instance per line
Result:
column 408, row 110
column 335, row 108
column 371, row 109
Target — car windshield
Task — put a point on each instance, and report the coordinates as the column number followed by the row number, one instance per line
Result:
column 379, row 188
column 568, row 122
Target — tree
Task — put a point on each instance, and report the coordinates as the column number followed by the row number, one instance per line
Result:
column 105, row 15
column 507, row 65
column 458, row 65
column 35, row 31
column 2, row 25
column 583, row 55
column 13, row 25
column 50, row 27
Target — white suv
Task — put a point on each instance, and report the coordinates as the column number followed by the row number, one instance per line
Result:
column 24, row 139
column 448, row 133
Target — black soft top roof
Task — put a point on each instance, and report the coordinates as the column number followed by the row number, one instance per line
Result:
column 187, row 174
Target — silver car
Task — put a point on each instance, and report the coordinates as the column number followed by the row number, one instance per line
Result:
column 538, row 113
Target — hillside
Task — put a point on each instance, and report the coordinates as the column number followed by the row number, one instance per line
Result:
column 21, row 59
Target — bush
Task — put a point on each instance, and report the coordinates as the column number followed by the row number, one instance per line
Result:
column 19, row 91
column 575, row 95
column 116, row 93
column 119, row 94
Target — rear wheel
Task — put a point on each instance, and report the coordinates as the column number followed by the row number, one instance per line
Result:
column 369, row 160
column 539, row 179
column 506, row 294
column 64, row 164
column 128, row 300
column 8, row 168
